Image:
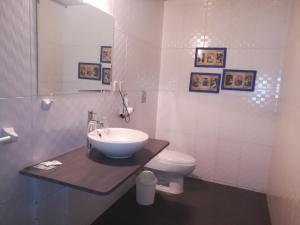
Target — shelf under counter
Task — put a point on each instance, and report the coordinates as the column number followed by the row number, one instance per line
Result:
column 93, row 172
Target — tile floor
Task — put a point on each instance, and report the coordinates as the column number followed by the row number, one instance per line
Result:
column 202, row 203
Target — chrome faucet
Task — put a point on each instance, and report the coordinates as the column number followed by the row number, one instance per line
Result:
column 96, row 124
column 90, row 115
column 92, row 123
column 92, row 126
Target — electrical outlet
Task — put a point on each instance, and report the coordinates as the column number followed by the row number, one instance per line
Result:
column 144, row 97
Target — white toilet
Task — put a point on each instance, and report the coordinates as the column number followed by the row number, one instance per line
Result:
column 170, row 167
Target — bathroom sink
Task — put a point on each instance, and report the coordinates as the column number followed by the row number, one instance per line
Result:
column 117, row 142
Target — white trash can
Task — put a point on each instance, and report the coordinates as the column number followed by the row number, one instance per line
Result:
column 145, row 188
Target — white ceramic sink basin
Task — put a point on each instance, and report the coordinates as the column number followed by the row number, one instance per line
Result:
column 117, row 142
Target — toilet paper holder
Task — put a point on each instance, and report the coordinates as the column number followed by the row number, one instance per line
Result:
column 8, row 135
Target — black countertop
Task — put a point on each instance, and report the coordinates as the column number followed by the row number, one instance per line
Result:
column 93, row 172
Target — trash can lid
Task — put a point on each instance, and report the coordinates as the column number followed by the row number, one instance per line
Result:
column 146, row 177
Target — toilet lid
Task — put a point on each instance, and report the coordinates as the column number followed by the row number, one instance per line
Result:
column 176, row 157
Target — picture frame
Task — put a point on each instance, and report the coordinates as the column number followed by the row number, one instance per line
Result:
column 106, row 75
column 210, row 57
column 89, row 71
column 106, row 54
column 205, row 82
column 239, row 80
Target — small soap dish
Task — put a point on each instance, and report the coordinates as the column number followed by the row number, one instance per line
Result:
column 46, row 103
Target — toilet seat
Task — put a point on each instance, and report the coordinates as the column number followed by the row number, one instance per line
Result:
column 177, row 158
column 173, row 162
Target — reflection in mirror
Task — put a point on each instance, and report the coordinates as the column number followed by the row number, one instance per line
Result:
column 74, row 47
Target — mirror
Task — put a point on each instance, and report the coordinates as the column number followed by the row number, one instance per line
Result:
column 74, row 47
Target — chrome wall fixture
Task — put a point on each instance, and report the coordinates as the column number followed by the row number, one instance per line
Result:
column 8, row 135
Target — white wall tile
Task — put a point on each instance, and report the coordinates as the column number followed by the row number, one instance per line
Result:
column 205, row 153
column 44, row 134
column 172, row 69
column 150, row 23
column 194, row 21
column 52, row 209
column 234, row 153
column 284, row 182
column 227, row 121
column 183, row 142
column 173, row 24
column 121, row 13
column 254, row 167
column 228, row 160
column 13, row 157
column 218, row 26
column 15, row 54
column 275, row 25
column 243, row 23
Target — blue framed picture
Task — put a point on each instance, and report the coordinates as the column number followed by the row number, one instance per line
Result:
column 106, row 54
column 205, row 82
column 106, row 75
column 89, row 71
column 239, row 80
column 210, row 57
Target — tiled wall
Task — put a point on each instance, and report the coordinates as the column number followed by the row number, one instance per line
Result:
column 230, row 133
column 284, row 191
column 44, row 134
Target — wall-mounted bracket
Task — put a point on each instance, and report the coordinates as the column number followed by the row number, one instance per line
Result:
column 46, row 103
column 8, row 135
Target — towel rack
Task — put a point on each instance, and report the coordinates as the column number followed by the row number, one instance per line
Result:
column 8, row 135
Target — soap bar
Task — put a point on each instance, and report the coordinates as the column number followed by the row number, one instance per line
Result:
column 43, row 167
column 51, row 163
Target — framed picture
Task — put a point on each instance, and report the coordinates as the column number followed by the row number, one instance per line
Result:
column 89, row 71
column 239, row 80
column 205, row 82
column 106, row 75
column 210, row 57
column 106, row 53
